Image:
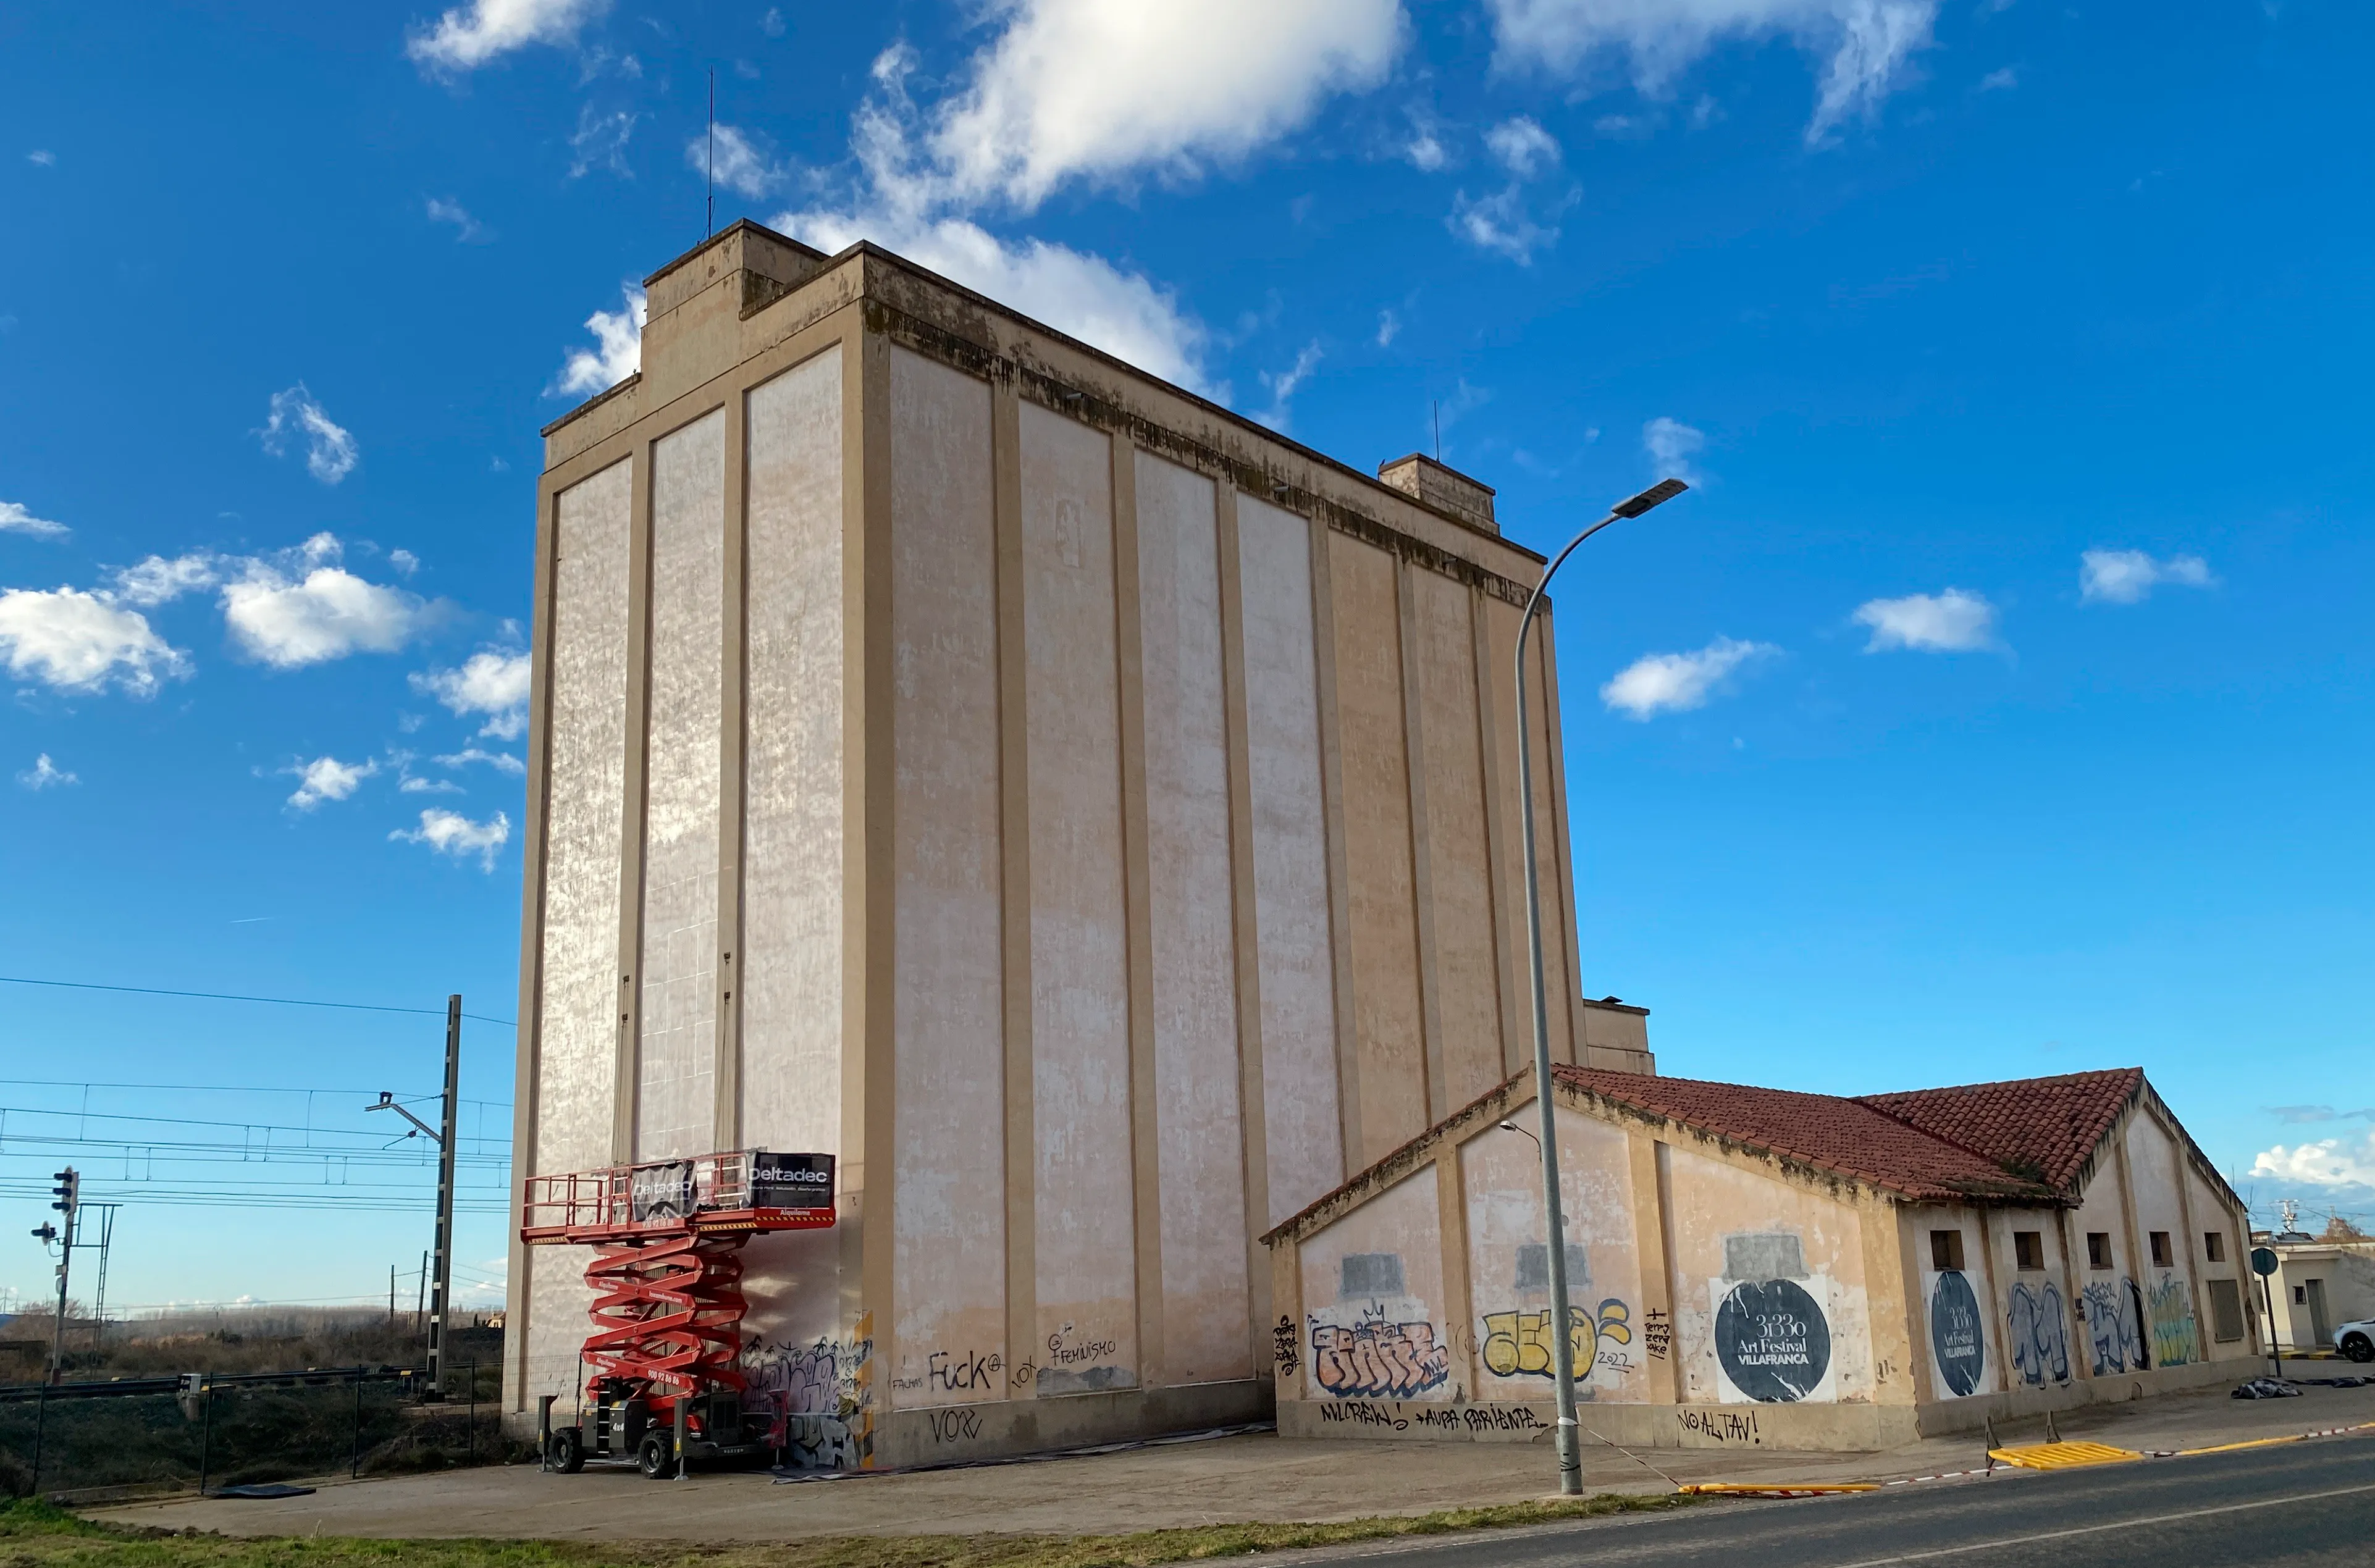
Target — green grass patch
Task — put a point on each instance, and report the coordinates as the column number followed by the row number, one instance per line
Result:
column 35, row 1534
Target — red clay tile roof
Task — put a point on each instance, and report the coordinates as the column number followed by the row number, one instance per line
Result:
column 2044, row 1127
column 1850, row 1137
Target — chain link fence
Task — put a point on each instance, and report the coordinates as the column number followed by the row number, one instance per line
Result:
column 206, row 1432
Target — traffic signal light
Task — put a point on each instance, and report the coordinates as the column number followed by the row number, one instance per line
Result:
column 46, row 1235
column 69, row 1191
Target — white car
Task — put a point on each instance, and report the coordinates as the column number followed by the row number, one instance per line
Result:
column 2357, row 1340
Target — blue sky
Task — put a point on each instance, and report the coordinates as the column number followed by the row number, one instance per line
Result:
column 1991, row 707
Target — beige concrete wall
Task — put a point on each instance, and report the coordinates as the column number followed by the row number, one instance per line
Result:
column 2174, row 1329
column 1086, row 1339
column 2106, row 1304
column 1508, row 1282
column 948, row 1263
column 787, row 973
column 1465, row 940
column 1190, row 910
column 1736, row 1232
column 578, row 1007
column 2042, row 1338
column 677, row 1054
column 1388, row 1035
column 2211, row 1212
column 1558, row 978
column 1958, row 1330
column 1375, row 1324
column 1300, row 1078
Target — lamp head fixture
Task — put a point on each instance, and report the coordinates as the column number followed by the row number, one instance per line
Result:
column 1657, row 494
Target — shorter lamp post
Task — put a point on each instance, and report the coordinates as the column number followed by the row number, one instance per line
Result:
column 1570, row 1453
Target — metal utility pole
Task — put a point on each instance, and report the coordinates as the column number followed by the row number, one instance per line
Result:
column 438, row 1285
column 69, row 1200
column 440, row 1290
column 1570, row 1453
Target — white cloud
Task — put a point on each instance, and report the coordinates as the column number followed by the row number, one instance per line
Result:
column 327, row 778
column 1087, row 89
column 743, row 166
column 43, row 156
column 467, row 36
column 618, row 352
column 1671, row 445
column 772, row 24
column 1522, row 147
column 467, row 230
column 2329, row 1163
column 413, row 783
column 1951, row 622
column 1503, row 222
column 2124, row 577
column 330, row 451
column 404, row 561
column 491, row 682
column 1389, row 326
column 16, row 519
column 1866, row 44
column 450, row 833
column 1282, row 384
column 1426, row 150
column 1657, row 683
column 1122, row 312
column 78, row 642
column 157, row 581
column 2009, row 77
column 45, row 774
column 501, row 761
column 303, row 607
column 600, row 139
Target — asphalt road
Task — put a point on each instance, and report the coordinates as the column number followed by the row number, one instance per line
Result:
column 2304, row 1504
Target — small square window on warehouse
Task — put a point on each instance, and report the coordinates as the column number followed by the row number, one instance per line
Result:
column 2162, row 1256
column 2214, row 1245
column 1945, row 1250
column 2098, row 1249
column 2028, row 1249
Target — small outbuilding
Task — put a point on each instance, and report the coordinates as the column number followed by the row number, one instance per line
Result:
column 1761, row 1267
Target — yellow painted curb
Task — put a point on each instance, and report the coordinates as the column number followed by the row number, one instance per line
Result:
column 1742, row 1489
column 2237, row 1447
column 2063, row 1455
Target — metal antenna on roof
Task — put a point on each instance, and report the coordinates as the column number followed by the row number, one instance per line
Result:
column 1438, row 429
column 712, row 154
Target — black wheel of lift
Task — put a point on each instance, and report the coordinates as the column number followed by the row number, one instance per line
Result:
column 567, row 1452
column 654, row 1458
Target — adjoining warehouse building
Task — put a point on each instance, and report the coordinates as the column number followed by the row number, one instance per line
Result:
column 1758, row 1266
column 1091, row 818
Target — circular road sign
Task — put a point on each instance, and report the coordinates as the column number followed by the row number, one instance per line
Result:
column 2264, row 1260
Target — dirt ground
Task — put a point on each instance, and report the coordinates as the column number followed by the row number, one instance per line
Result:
column 1253, row 1476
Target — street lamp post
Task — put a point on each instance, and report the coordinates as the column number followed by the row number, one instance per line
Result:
column 1570, row 1455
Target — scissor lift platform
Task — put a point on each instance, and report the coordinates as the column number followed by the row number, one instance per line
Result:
column 665, row 1386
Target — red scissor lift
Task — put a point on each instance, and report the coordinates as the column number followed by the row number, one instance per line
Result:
column 664, row 1387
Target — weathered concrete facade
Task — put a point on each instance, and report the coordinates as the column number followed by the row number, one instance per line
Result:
column 1089, row 816
column 1750, row 1267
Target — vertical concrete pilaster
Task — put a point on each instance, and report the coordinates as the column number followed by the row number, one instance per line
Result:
column 1014, row 807
column 637, row 764
column 1430, row 972
column 869, row 933
column 733, row 672
column 1340, row 879
column 1651, row 1245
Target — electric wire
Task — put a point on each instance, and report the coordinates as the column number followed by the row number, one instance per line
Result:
column 233, row 997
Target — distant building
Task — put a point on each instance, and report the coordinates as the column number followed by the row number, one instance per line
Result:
column 1753, row 1266
column 1086, row 813
column 2321, row 1282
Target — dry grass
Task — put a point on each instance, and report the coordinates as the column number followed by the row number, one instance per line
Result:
column 33, row 1535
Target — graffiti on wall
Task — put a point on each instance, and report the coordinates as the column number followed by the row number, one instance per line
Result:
column 2040, row 1334
column 1378, row 1357
column 1285, row 1346
column 819, row 1398
column 1955, row 1336
column 2169, row 1308
column 2114, row 1325
column 1517, row 1344
column 1773, row 1340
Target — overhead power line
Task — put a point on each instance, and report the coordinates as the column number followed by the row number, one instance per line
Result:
column 230, row 996
column 230, row 1089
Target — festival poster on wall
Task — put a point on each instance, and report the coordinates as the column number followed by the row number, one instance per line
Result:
column 1773, row 1340
column 1960, row 1362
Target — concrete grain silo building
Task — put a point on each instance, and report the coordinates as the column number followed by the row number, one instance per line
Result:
column 1085, row 813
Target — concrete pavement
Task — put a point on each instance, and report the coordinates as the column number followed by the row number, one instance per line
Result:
column 1228, row 1480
